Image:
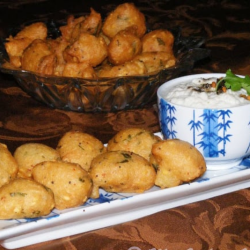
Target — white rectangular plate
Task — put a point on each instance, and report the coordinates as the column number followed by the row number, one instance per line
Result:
column 111, row 209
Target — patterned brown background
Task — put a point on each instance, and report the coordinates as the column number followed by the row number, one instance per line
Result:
column 219, row 223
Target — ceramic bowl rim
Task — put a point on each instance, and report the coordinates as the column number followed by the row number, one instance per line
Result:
column 173, row 82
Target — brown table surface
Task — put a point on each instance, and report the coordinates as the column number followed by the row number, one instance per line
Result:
column 218, row 223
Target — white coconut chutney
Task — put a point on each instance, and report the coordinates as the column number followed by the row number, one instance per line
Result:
column 186, row 94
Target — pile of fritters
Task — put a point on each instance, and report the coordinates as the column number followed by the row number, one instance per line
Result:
column 90, row 47
column 38, row 178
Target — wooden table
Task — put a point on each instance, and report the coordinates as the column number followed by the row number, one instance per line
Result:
column 218, row 223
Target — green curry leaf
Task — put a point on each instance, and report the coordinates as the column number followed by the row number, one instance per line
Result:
column 235, row 83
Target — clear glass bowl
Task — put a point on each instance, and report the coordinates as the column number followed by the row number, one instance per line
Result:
column 105, row 94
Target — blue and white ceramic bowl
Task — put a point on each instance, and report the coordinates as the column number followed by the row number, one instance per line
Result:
column 222, row 135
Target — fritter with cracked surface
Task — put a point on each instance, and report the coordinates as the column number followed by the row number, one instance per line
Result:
column 176, row 162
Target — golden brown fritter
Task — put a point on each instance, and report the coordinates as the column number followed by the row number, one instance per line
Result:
column 87, row 48
column 158, row 40
column 156, row 61
column 67, row 29
column 83, row 70
column 136, row 140
column 176, row 162
column 132, row 68
column 123, row 47
column 33, row 31
column 121, row 171
column 47, row 65
column 79, row 147
column 106, row 39
column 39, row 57
column 71, row 185
column 91, row 24
column 124, row 16
column 29, row 154
column 25, row 198
column 58, row 46
column 121, row 41
column 16, row 45
column 15, row 48
column 8, row 165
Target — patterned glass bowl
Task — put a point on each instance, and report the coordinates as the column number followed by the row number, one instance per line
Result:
column 221, row 135
column 105, row 94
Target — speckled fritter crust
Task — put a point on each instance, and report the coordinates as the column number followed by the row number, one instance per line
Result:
column 67, row 30
column 91, row 24
column 29, row 154
column 79, row 147
column 16, row 45
column 124, row 16
column 155, row 61
column 25, row 198
column 70, row 183
column 58, row 46
column 121, row 171
column 84, row 70
column 176, row 162
column 8, row 165
column 158, row 40
column 87, row 48
column 39, row 57
column 33, row 31
column 137, row 140
column 123, row 47
column 131, row 68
